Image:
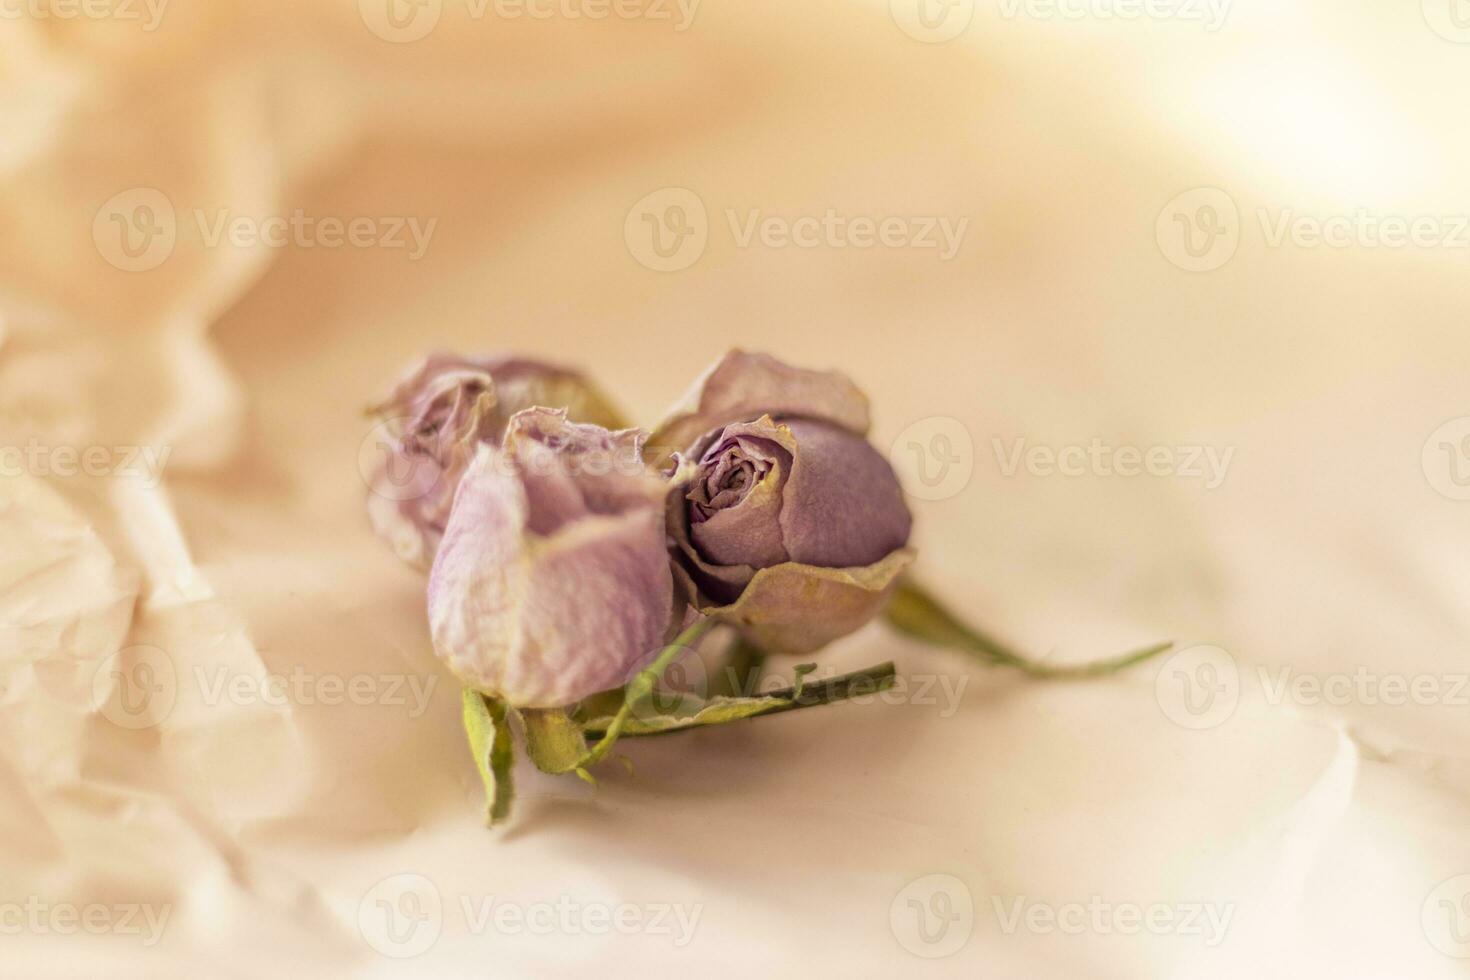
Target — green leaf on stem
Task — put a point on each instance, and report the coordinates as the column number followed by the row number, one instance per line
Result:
column 636, row 691
column 722, row 710
column 914, row 612
column 487, row 724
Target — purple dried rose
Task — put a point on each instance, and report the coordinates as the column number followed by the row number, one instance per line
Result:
column 435, row 420
column 552, row 581
column 785, row 521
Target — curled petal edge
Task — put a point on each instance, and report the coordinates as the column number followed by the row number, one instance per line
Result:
column 744, row 385
column 796, row 608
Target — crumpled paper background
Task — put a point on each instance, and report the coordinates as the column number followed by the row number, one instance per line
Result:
column 226, row 743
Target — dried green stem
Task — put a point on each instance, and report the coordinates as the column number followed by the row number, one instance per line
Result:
column 914, row 612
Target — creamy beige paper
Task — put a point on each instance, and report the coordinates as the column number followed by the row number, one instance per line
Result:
column 225, row 744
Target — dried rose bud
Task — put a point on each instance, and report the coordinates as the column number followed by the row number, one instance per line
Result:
column 552, row 581
column 786, row 521
column 434, row 421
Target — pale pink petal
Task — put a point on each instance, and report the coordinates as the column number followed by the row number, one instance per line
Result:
column 743, row 386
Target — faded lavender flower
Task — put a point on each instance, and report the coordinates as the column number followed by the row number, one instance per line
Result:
column 785, row 521
column 552, row 581
column 434, row 421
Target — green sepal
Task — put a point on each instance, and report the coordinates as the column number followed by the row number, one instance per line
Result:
column 554, row 741
column 487, row 724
